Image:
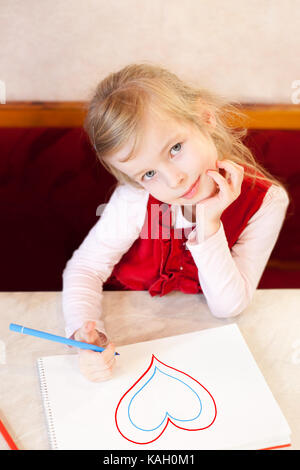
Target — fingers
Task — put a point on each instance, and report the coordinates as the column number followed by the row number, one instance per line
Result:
column 95, row 360
column 109, row 352
column 88, row 331
column 234, row 173
column 101, row 360
column 92, row 370
column 219, row 179
column 102, row 340
column 88, row 334
column 84, row 333
column 97, row 366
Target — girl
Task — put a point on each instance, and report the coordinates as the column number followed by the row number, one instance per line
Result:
column 192, row 211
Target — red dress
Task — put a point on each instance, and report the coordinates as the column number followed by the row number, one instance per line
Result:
column 158, row 261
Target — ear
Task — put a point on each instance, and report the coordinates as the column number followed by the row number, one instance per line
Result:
column 209, row 117
column 206, row 115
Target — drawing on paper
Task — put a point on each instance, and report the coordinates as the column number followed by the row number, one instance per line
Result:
column 163, row 395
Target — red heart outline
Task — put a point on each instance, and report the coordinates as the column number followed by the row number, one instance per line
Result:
column 168, row 419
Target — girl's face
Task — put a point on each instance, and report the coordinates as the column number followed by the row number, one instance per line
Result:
column 171, row 158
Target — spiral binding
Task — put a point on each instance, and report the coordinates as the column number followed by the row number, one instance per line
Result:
column 47, row 406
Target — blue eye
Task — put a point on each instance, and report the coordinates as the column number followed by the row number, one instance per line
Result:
column 147, row 174
column 178, row 150
column 152, row 172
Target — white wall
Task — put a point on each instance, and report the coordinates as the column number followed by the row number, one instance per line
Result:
column 248, row 50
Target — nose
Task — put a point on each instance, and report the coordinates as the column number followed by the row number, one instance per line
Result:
column 175, row 178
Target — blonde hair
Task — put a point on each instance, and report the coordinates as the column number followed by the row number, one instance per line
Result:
column 116, row 113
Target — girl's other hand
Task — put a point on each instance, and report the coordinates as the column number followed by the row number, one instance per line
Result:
column 95, row 366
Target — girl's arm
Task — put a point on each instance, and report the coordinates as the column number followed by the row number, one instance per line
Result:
column 92, row 263
column 230, row 278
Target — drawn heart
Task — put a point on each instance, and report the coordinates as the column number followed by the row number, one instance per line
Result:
column 150, row 395
column 163, row 395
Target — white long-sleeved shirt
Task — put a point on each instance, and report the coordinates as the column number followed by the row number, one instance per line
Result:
column 228, row 278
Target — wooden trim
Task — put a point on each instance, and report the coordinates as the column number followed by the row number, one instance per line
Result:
column 272, row 116
column 284, row 265
column 71, row 114
column 42, row 114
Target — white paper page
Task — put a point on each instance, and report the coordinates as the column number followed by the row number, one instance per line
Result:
column 207, row 383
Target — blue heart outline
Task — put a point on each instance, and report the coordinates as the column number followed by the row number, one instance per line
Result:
column 167, row 414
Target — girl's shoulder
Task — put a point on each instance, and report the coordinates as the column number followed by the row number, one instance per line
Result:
column 126, row 204
column 277, row 194
column 127, row 192
column 127, row 199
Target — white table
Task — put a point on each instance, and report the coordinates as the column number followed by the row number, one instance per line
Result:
column 270, row 326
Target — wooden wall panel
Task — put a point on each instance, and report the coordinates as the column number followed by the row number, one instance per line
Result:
column 71, row 114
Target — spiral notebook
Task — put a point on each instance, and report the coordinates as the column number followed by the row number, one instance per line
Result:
column 201, row 390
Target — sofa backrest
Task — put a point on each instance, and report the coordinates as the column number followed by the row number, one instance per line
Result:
column 51, row 184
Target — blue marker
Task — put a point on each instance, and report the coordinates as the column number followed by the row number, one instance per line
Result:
column 58, row 339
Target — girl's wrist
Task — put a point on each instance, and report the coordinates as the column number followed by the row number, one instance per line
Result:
column 207, row 229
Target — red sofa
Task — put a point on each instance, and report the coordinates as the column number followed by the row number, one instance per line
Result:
column 51, row 185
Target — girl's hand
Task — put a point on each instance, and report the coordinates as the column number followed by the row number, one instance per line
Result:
column 95, row 366
column 229, row 190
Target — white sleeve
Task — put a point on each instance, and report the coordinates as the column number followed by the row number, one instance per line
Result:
column 92, row 263
column 229, row 278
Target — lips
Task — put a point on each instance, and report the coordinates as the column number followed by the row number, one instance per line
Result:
column 192, row 190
